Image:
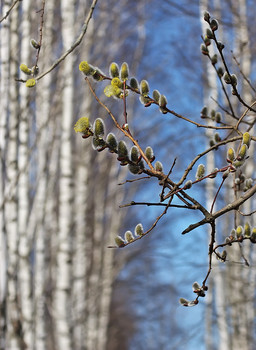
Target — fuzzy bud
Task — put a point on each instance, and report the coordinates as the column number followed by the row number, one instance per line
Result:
column 204, row 50
column 231, row 154
column 242, row 152
column 116, row 82
column 214, row 25
column 207, row 16
column 134, row 169
column 220, row 72
column 98, row 127
column 119, row 241
column 111, row 142
column 162, row 101
column 214, row 59
column 134, row 84
column 114, row 70
column 227, row 78
column 218, row 117
column 25, row 69
column 35, row 71
column 184, row 302
column 248, row 184
column 128, row 236
column 200, row 171
column 124, row 71
column 247, row 230
column 98, row 75
column 233, row 79
column 220, row 45
column 204, row 112
column 159, row 166
column 86, row 68
column 253, row 235
column 144, row 88
column 34, row 44
column 83, row 126
column 196, row 286
column 239, row 231
column 217, row 137
column 122, row 149
column 134, row 154
column 149, row 154
column 139, row 230
column 98, row 144
column 30, row 83
column 209, row 34
column 156, row 95
column 187, row 185
column 246, row 139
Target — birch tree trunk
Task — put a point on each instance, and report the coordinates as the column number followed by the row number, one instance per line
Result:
column 66, row 193
column 25, row 277
column 41, row 201
column 210, row 94
column 242, row 279
column 233, row 294
column 4, row 98
column 14, row 326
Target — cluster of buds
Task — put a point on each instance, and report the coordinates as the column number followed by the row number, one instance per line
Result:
column 33, row 71
column 242, row 232
column 237, row 160
column 129, row 237
column 131, row 157
column 199, row 290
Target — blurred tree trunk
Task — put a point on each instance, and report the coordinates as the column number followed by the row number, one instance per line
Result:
column 62, row 302
column 233, row 284
column 44, row 127
column 14, row 327
column 4, row 98
column 25, row 244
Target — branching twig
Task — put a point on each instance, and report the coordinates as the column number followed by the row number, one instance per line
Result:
column 9, row 11
column 72, row 48
column 242, row 73
column 41, row 32
column 125, row 132
column 158, row 204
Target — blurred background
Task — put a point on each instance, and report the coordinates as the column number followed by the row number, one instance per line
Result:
column 61, row 287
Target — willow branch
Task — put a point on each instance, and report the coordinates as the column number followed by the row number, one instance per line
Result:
column 9, row 11
column 76, row 43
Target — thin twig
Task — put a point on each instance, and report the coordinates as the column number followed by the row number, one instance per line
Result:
column 157, row 204
column 72, row 48
column 242, row 73
column 9, row 11
column 211, row 249
column 125, row 132
column 41, row 32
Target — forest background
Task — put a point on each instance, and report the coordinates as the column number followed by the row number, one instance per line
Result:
column 61, row 287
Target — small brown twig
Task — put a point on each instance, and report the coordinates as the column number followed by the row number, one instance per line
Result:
column 40, row 32
column 157, row 204
column 72, row 48
column 211, row 249
column 125, row 132
column 9, row 11
column 242, row 73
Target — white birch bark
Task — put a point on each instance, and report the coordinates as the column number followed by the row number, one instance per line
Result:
column 4, row 102
column 243, row 307
column 81, row 245
column 40, row 201
column 14, row 331
column 210, row 90
column 63, row 277
column 115, row 196
column 25, row 276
